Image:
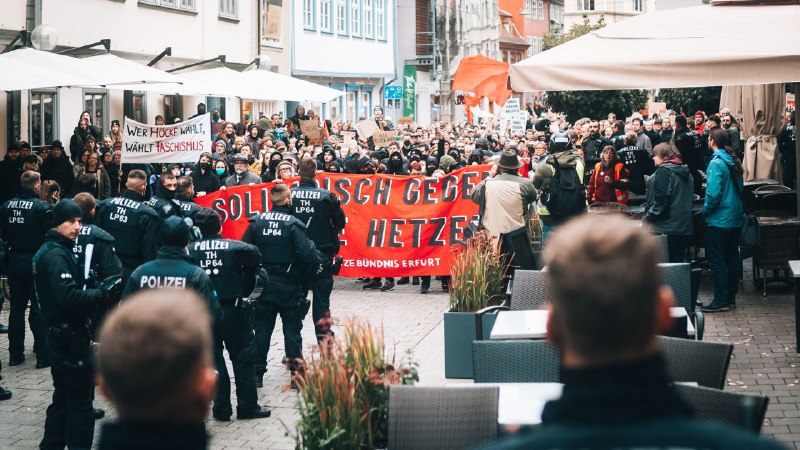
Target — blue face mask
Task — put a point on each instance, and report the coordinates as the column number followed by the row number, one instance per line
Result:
column 220, row 171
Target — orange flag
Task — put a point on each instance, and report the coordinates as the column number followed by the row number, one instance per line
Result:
column 485, row 77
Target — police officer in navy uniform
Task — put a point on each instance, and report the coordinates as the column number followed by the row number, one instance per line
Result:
column 290, row 259
column 163, row 201
column 132, row 222
column 67, row 306
column 232, row 266
column 24, row 220
column 322, row 214
column 94, row 249
column 184, row 197
column 692, row 150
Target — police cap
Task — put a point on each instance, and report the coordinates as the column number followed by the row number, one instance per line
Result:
column 174, row 231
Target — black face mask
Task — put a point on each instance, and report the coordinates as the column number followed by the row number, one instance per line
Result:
column 205, row 166
column 406, row 143
column 215, row 116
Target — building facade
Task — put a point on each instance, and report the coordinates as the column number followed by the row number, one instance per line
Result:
column 348, row 45
column 139, row 30
column 611, row 10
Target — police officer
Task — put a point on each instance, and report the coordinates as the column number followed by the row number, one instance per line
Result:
column 184, row 197
column 692, row 150
column 66, row 306
column 232, row 266
column 322, row 213
column 290, row 258
column 162, row 202
column 24, row 220
column 132, row 222
column 593, row 145
column 94, row 249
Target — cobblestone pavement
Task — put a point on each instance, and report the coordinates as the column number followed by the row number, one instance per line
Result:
column 765, row 362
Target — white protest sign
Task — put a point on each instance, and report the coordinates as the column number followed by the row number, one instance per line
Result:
column 366, row 128
column 511, row 107
column 182, row 142
column 518, row 122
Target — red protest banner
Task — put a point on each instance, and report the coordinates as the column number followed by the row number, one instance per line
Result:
column 396, row 225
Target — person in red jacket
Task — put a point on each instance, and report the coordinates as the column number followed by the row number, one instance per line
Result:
column 609, row 182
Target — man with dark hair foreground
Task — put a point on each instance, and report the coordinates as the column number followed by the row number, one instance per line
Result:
column 155, row 365
column 616, row 391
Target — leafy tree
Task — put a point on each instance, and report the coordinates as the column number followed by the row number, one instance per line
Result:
column 689, row 100
column 593, row 104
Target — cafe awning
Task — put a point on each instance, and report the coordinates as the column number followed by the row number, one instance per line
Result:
column 135, row 71
column 726, row 44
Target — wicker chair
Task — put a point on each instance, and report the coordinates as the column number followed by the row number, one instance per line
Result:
column 663, row 244
column 771, row 188
column 442, row 417
column 522, row 361
column 703, row 362
column 606, row 207
column 685, row 284
column 780, row 201
column 778, row 246
column 731, row 408
column 531, row 290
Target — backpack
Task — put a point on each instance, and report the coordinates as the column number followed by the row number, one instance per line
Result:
column 566, row 195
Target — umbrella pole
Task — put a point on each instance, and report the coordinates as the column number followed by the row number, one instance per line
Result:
column 797, row 144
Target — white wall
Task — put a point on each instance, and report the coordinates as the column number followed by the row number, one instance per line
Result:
column 137, row 28
column 315, row 53
column 13, row 17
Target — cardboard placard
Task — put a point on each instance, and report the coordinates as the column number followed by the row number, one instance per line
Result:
column 384, row 138
column 311, row 130
column 405, row 121
column 348, row 137
column 366, row 128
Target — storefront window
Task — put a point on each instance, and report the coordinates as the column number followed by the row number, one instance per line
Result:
column 43, row 117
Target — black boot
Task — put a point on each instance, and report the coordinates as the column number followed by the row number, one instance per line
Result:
column 402, row 281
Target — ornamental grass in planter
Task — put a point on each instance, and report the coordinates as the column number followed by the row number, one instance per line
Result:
column 476, row 283
column 344, row 391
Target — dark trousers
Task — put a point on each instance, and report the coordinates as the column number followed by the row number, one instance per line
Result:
column 321, row 288
column 722, row 248
column 426, row 281
column 70, row 419
column 676, row 246
column 235, row 333
column 21, row 288
column 267, row 311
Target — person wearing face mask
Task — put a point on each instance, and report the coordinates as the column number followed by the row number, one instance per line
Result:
column 216, row 121
column 241, row 176
column 163, row 202
column 201, row 109
column 203, row 177
column 395, row 166
column 221, row 171
column 270, row 170
column 132, row 222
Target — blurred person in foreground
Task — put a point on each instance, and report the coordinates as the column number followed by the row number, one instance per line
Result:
column 616, row 391
column 155, row 365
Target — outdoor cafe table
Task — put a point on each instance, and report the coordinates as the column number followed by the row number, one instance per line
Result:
column 532, row 324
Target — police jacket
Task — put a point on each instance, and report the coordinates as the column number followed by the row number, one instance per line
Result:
column 230, row 264
column 639, row 163
column 593, row 148
column 321, row 212
column 96, row 259
column 59, row 283
column 187, row 206
column 618, row 140
column 665, row 135
column 25, row 220
column 286, row 251
column 10, row 173
column 173, row 268
column 689, row 144
column 133, row 224
column 163, row 203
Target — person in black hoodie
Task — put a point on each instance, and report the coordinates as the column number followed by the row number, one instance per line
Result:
column 394, row 165
column 79, row 137
column 162, row 391
column 203, row 177
column 269, row 173
column 10, row 171
column 58, row 168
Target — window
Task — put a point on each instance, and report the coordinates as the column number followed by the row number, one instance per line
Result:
column 540, row 9
column 535, row 45
column 325, row 16
column 183, row 5
column 42, row 117
column 529, row 7
column 213, row 103
column 366, row 102
column 341, row 17
column 638, row 5
column 368, row 18
column 380, row 19
column 271, row 22
column 139, row 112
column 229, row 9
column 355, row 17
column 308, row 14
column 585, row 5
column 96, row 104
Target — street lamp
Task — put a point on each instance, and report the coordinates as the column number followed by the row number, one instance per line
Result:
column 44, row 37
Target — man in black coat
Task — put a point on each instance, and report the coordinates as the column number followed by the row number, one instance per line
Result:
column 57, row 167
column 10, row 171
column 67, row 305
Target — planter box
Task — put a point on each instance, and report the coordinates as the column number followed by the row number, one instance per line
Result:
column 459, row 332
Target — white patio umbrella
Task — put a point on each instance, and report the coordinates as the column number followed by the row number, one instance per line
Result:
column 136, row 71
column 700, row 46
column 28, row 68
column 263, row 84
